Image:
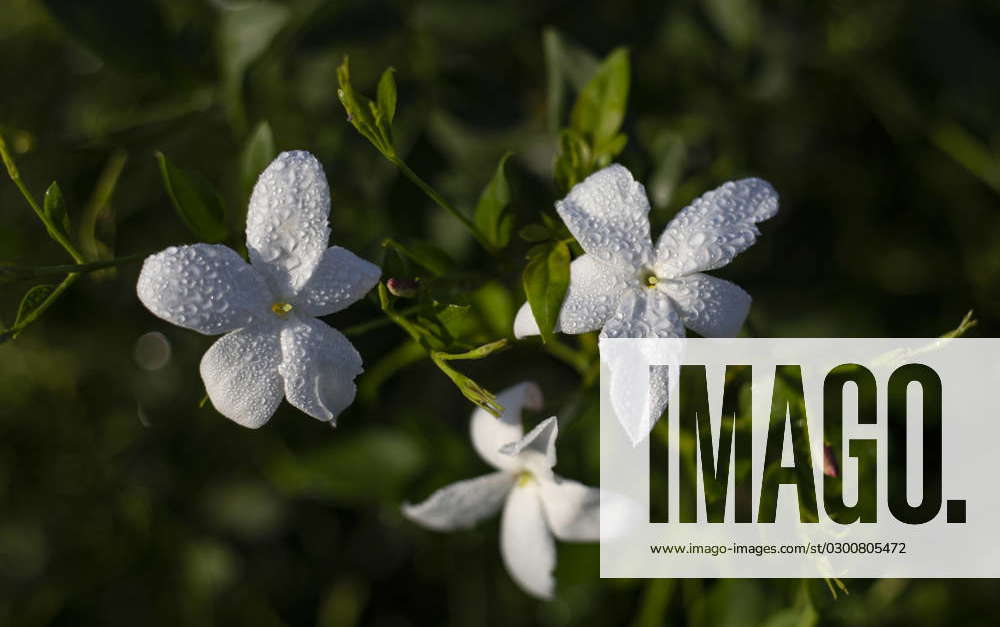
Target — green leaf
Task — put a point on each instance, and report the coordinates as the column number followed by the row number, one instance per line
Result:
column 574, row 162
column 491, row 218
column 427, row 256
column 368, row 118
column 55, row 207
column 738, row 20
column 97, row 227
column 469, row 388
column 258, row 152
column 387, row 95
column 31, row 301
column 342, row 470
column 546, row 279
column 564, row 62
column 535, row 233
column 197, row 203
column 600, row 108
column 244, row 34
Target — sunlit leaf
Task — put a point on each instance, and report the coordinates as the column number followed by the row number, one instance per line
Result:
column 546, row 279
column 387, row 95
column 197, row 203
column 366, row 116
column 600, row 108
column 491, row 216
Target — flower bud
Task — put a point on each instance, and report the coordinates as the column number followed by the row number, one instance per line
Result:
column 404, row 288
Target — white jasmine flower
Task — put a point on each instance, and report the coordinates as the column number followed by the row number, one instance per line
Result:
column 274, row 346
column 625, row 287
column 537, row 503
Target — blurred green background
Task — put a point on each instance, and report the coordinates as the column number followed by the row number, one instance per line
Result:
column 123, row 503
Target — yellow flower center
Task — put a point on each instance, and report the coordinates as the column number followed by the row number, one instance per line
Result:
column 650, row 278
column 280, row 309
column 524, row 478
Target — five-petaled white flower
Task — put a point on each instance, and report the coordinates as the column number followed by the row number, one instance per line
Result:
column 536, row 502
column 625, row 287
column 274, row 346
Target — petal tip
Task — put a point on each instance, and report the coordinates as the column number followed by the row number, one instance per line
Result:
column 525, row 324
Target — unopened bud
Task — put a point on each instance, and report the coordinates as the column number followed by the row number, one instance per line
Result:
column 404, row 288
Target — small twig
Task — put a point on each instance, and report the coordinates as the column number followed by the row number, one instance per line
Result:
column 11, row 272
column 53, row 228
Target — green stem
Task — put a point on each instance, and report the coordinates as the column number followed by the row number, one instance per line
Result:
column 575, row 359
column 439, row 200
column 105, row 187
column 38, row 311
column 52, row 227
column 378, row 323
column 12, row 272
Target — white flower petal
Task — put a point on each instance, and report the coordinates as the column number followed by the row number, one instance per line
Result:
column 462, row 504
column 639, row 391
column 526, row 544
column 594, row 290
column 644, row 312
column 203, row 287
column 240, row 372
column 638, row 384
column 490, row 433
column 287, row 222
column 319, row 365
column 608, row 213
column 572, row 509
column 713, row 307
column 536, row 452
column 715, row 228
column 525, row 323
column 340, row 279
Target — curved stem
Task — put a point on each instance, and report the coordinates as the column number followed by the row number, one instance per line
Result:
column 52, row 227
column 12, row 332
column 439, row 200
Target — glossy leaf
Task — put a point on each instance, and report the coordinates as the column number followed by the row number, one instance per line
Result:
column 491, row 216
column 546, row 279
column 197, row 203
